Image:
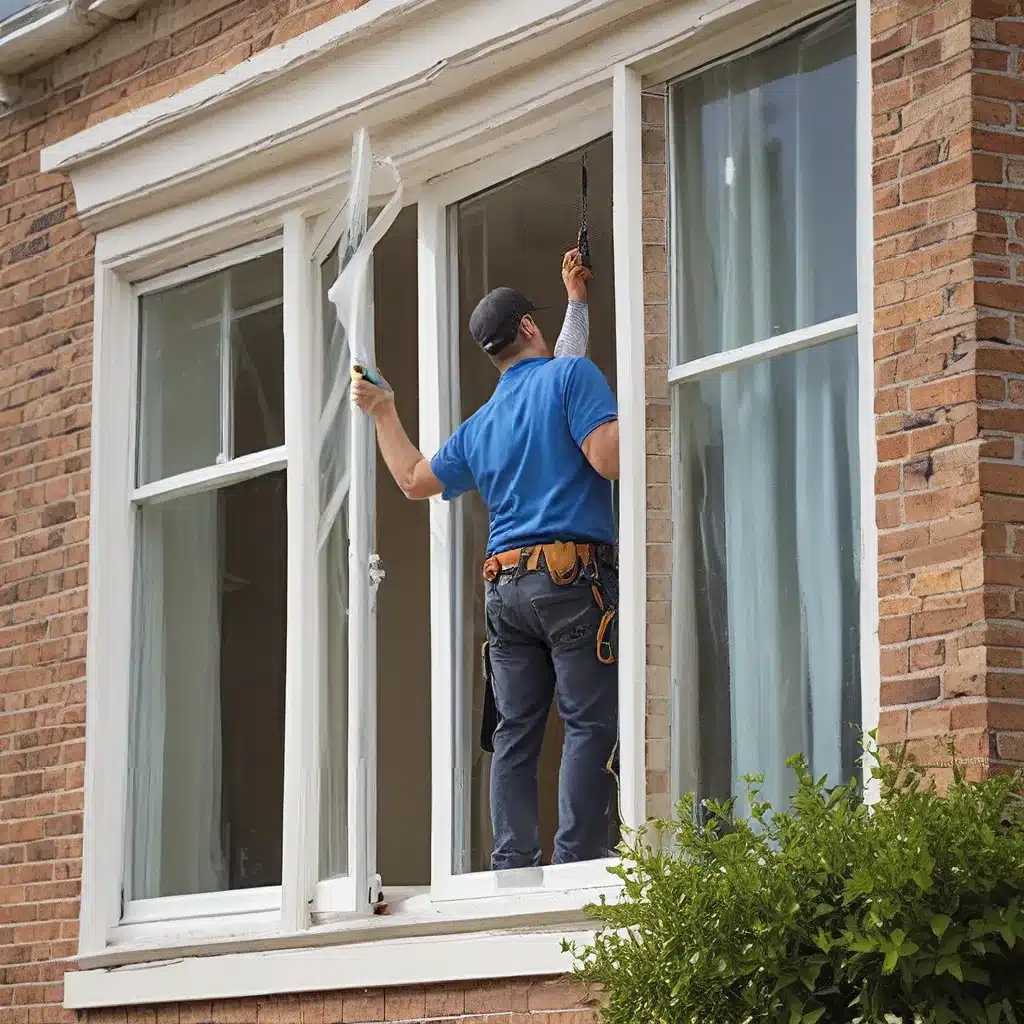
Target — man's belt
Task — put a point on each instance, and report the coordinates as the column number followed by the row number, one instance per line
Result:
column 562, row 559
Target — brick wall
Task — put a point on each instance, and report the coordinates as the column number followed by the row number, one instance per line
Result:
column 45, row 375
column 659, row 505
column 502, row 1002
column 948, row 168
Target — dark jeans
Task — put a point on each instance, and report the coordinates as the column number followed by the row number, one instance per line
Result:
column 543, row 646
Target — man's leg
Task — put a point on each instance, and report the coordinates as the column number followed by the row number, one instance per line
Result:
column 587, row 695
column 524, row 684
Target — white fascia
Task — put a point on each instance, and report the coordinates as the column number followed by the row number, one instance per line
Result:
column 303, row 99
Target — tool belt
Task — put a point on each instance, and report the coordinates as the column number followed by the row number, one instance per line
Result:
column 565, row 562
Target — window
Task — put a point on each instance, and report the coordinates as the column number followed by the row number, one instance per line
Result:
column 333, row 791
column 208, row 626
column 767, row 463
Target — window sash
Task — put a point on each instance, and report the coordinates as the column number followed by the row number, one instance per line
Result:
column 685, row 768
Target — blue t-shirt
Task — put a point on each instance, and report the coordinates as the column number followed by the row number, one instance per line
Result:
column 522, row 451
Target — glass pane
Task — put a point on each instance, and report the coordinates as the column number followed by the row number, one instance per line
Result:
column 764, row 192
column 188, row 334
column 207, row 760
column 334, row 463
column 258, row 408
column 770, row 474
column 515, row 234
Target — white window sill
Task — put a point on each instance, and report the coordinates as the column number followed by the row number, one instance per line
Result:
column 417, row 942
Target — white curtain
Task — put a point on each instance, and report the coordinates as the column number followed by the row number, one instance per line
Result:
column 177, row 841
column 774, row 443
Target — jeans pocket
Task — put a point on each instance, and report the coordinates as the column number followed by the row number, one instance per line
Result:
column 569, row 617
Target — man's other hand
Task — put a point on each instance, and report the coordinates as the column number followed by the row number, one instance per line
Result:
column 369, row 398
column 575, row 276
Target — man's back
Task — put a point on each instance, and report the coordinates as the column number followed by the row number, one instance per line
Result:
column 522, row 451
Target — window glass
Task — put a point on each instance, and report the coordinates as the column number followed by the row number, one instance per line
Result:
column 207, row 759
column 763, row 218
column 515, row 235
column 763, row 170
column 772, row 476
column 211, row 369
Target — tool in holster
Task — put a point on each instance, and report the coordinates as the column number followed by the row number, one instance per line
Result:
column 584, row 235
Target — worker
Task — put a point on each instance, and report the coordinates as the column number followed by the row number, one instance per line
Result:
column 542, row 452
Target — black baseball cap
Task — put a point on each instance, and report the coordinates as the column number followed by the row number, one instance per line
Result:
column 495, row 321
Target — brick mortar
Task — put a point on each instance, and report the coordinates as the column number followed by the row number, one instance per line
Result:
column 949, row 81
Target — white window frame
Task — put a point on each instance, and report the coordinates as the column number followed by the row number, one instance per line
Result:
column 495, row 925
column 439, row 376
column 685, row 718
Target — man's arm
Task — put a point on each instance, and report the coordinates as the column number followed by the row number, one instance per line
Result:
column 575, row 333
column 601, row 449
column 407, row 464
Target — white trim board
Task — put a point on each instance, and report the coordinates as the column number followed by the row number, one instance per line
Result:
column 466, row 68
column 411, row 961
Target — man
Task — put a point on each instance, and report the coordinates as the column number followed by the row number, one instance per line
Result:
column 542, row 452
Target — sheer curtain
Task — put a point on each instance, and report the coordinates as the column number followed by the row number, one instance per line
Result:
column 177, row 842
column 765, row 235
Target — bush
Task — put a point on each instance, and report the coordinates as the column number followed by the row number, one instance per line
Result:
column 910, row 910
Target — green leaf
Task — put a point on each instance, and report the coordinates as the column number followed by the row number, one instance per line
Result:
column 939, row 923
column 891, row 958
column 814, row 1016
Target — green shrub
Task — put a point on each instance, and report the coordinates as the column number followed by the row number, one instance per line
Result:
column 909, row 910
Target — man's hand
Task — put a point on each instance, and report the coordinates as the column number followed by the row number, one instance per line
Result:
column 371, row 399
column 575, row 276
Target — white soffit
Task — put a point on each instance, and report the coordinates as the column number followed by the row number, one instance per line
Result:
column 427, row 77
column 33, row 33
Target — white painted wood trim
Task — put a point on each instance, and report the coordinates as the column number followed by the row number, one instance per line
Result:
column 211, row 904
column 202, row 268
column 407, row 961
column 446, row 81
column 870, row 652
column 516, row 883
column 196, row 481
column 627, row 220
column 300, row 849
column 574, row 128
column 409, row 914
column 358, row 26
column 110, row 609
column 434, row 427
column 791, row 341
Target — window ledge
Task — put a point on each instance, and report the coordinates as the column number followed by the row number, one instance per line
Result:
column 417, row 942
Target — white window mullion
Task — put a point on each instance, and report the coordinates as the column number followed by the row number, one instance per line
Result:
column 302, row 747
column 791, row 341
column 434, row 427
column 627, row 196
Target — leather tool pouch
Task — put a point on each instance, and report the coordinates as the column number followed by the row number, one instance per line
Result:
column 562, row 561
